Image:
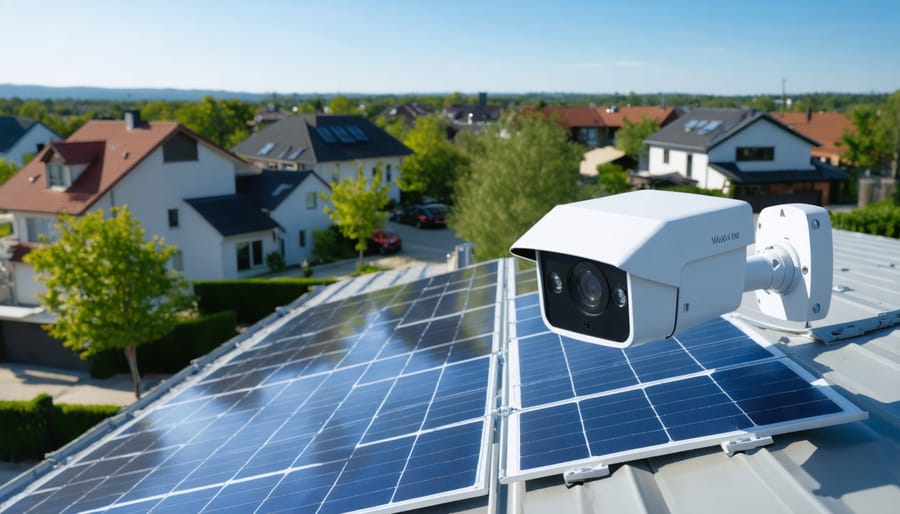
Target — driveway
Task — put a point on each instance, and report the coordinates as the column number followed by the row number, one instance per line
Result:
column 425, row 244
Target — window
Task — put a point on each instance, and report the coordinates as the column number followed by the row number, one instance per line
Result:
column 387, row 173
column 336, row 173
column 302, row 239
column 37, row 227
column 56, row 175
column 690, row 165
column 311, row 200
column 755, row 153
column 178, row 261
column 249, row 254
column 665, row 156
column 180, row 148
column 173, row 218
column 374, row 171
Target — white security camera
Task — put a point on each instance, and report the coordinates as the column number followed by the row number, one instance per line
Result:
column 638, row 267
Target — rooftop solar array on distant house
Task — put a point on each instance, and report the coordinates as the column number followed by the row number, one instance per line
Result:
column 377, row 402
column 576, row 405
column 326, row 134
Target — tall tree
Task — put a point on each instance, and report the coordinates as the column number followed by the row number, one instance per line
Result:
column 431, row 170
column 890, row 129
column 340, row 104
column 518, row 171
column 224, row 122
column 630, row 138
column 358, row 207
column 865, row 148
column 7, row 169
column 108, row 287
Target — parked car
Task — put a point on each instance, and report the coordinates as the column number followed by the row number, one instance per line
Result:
column 423, row 215
column 384, row 241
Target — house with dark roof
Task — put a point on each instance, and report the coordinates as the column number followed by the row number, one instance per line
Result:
column 597, row 126
column 179, row 185
column 407, row 112
column 20, row 136
column 752, row 156
column 333, row 146
column 293, row 199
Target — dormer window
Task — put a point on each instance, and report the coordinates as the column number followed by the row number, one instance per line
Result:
column 57, row 176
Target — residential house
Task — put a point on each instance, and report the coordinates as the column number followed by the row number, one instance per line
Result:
column 179, row 185
column 294, row 200
column 597, row 126
column 751, row 155
column 333, row 146
column 20, row 136
column 408, row 112
column 827, row 128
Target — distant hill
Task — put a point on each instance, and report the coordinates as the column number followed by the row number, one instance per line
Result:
column 100, row 93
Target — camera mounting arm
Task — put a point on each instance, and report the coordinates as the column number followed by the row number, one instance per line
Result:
column 791, row 270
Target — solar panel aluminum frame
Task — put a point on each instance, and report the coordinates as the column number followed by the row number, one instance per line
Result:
column 511, row 472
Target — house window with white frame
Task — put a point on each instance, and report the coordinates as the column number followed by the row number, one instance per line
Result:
column 387, row 173
column 56, row 175
column 311, row 200
column 249, row 254
column 665, row 156
column 178, row 261
column 37, row 227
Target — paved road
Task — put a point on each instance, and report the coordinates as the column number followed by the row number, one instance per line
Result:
column 425, row 244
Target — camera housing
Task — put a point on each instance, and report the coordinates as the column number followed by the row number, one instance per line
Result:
column 640, row 266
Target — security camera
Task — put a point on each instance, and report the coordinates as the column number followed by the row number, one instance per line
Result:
column 638, row 267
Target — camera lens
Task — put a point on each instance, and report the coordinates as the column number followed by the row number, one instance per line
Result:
column 589, row 289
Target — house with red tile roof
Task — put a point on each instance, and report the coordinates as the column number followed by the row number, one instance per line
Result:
column 597, row 126
column 827, row 128
column 179, row 185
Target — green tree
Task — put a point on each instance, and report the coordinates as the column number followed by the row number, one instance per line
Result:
column 866, row 147
column 518, row 171
column 358, row 208
column 7, row 170
column 613, row 178
column 340, row 104
column 630, row 138
column 224, row 122
column 431, row 170
column 890, row 129
column 108, row 287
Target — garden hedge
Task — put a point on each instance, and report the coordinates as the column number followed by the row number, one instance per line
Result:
column 29, row 429
column 190, row 339
column 880, row 218
column 252, row 299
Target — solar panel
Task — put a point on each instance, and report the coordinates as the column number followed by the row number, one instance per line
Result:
column 326, row 134
column 577, row 405
column 709, row 127
column 376, row 402
column 357, row 133
column 342, row 134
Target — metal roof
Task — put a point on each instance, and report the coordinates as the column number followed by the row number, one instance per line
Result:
column 847, row 468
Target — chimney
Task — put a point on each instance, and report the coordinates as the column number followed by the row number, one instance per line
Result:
column 482, row 99
column 132, row 119
column 808, row 113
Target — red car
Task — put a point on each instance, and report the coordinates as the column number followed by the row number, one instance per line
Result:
column 384, row 241
column 427, row 215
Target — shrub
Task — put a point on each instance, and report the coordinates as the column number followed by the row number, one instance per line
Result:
column 880, row 218
column 252, row 299
column 275, row 261
column 29, row 429
column 190, row 339
column 330, row 245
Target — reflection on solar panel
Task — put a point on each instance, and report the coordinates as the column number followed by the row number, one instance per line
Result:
column 326, row 134
column 342, row 134
column 357, row 133
column 380, row 401
column 709, row 127
column 576, row 404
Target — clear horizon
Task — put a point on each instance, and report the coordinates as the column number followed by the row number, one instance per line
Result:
column 407, row 47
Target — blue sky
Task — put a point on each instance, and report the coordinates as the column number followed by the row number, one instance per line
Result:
column 422, row 46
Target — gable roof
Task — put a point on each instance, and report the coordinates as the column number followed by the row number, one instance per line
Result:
column 825, row 127
column 703, row 129
column 606, row 116
column 231, row 215
column 301, row 132
column 12, row 128
column 111, row 152
column 268, row 189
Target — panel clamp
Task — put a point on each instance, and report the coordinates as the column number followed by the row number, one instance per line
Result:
column 580, row 475
column 743, row 444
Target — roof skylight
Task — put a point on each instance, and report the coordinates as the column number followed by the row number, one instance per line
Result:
column 266, row 149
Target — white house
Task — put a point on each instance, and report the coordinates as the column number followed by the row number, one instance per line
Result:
column 750, row 155
column 333, row 146
column 294, row 200
column 20, row 136
column 176, row 183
